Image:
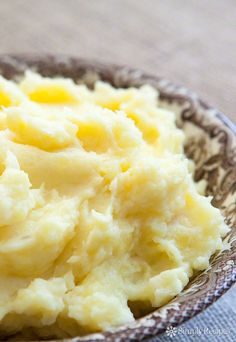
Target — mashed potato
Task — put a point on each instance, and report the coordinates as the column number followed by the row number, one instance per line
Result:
column 99, row 211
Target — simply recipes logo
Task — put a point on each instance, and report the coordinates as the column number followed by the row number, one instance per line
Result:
column 174, row 331
column 171, row 331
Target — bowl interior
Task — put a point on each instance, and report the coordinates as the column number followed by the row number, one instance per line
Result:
column 210, row 142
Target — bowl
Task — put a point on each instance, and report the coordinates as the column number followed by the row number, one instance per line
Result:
column 210, row 142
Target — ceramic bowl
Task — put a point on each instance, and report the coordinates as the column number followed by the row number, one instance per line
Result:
column 211, row 143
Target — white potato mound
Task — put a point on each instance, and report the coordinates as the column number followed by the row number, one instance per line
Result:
column 99, row 213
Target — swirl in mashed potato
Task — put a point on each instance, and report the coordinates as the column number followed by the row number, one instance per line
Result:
column 99, row 214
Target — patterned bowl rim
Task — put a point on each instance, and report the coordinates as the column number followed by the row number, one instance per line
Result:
column 144, row 327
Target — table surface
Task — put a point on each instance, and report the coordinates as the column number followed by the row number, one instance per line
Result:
column 188, row 41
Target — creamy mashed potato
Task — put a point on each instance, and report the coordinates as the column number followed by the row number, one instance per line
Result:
column 99, row 213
